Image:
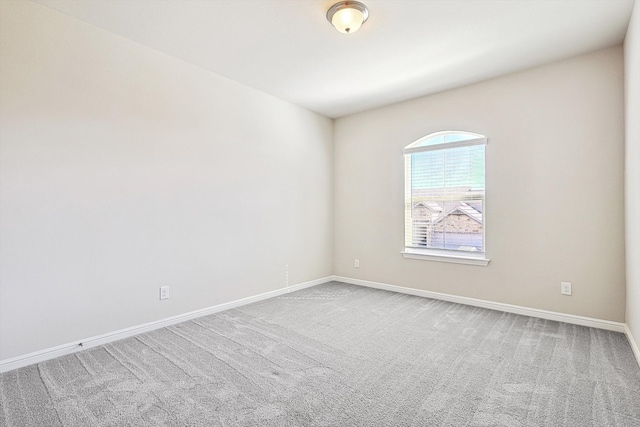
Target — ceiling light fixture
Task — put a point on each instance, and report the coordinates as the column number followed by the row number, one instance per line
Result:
column 347, row 16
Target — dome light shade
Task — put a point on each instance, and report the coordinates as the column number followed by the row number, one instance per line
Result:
column 347, row 16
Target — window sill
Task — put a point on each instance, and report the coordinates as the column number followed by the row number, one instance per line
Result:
column 446, row 257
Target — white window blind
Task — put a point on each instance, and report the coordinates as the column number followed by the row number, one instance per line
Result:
column 445, row 193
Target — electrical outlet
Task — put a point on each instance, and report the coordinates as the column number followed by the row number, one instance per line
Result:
column 164, row 292
column 565, row 288
column 356, row 263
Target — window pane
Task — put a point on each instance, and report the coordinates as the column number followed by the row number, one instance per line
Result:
column 446, row 192
column 444, row 138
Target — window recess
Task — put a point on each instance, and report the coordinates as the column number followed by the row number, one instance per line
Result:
column 445, row 198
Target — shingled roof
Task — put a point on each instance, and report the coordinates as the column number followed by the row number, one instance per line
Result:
column 463, row 209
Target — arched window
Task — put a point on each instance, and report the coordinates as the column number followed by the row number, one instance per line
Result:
column 444, row 197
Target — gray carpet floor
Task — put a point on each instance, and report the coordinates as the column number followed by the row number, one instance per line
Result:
column 338, row 355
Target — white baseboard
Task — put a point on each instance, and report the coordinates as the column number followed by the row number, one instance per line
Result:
column 632, row 343
column 61, row 350
column 509, row 308
column 53, row 352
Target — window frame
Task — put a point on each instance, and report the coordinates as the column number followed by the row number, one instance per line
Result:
column 436, row 254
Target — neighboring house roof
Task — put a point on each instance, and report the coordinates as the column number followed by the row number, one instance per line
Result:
column 464, row 209
column 460, row 208
column 429, row 205
column 476, row 205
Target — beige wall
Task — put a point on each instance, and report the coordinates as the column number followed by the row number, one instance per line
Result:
column 554, row 188
column 123, row 169
column 632, row 173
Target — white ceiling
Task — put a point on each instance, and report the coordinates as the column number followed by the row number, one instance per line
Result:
column 407, row 48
